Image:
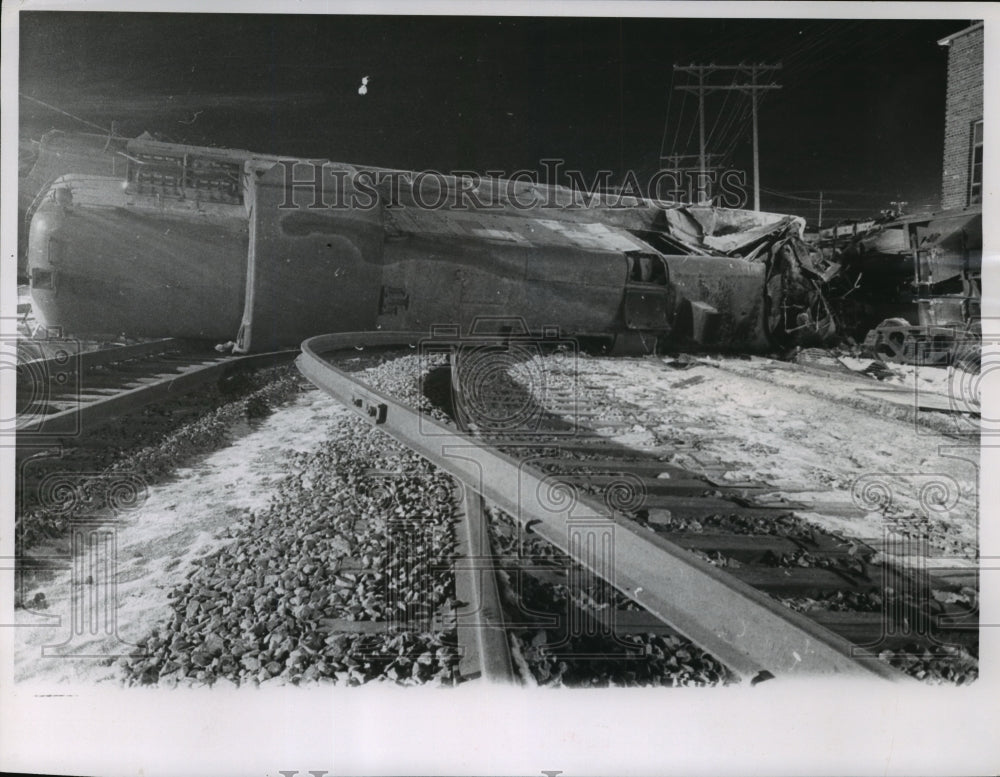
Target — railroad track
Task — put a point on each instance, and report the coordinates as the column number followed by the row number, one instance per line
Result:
column 70, row 394
column 480, row 624
column 709, row 560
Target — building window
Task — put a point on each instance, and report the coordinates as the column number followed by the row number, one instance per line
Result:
column 976, row 173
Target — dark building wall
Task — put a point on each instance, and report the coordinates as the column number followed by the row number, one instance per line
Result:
column 964, row 109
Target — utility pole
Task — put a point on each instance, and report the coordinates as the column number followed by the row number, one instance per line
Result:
column 680, row 163
column 700, row 71
column 753, row 88
column 819, row 224
column 701, row 122
column 756, row 153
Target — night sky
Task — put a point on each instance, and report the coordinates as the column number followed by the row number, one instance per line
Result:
column 860, row 115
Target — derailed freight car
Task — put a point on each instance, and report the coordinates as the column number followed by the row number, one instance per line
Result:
column 264, row 251
column 916, row 286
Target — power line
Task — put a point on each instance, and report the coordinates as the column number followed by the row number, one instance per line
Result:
column 754, row 87
column 666, row 120
column 848, row 192
column 687, row 143
column 737, row 135
column 851, row 210
column 793, row 197
column 64, row 113
column 680, row 117
column 719, row 115
column 731, row 132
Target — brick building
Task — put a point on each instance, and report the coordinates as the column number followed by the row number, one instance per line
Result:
column 962, row 179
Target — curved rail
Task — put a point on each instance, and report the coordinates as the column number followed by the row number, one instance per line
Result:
column 744, row 628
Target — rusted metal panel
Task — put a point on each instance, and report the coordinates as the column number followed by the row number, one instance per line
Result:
column 731, row 288
column 647, row 307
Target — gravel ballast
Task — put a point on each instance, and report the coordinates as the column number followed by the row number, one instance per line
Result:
column 357, row 532
column 344, row 576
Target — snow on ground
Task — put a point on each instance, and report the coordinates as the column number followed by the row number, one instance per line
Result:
column 178, row 522
column 800, row 431
column 935, row 380
column 903, row 389
column 806, row 434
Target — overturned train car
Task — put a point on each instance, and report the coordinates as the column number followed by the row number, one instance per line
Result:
column 152, row 239
column 913, row 287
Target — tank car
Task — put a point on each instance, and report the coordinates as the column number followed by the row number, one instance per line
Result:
column 166, row 240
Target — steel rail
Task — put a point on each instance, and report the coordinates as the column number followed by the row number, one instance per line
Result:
column 40, row 430
column 85, row 360
column 745, row 629
column 481, row 630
